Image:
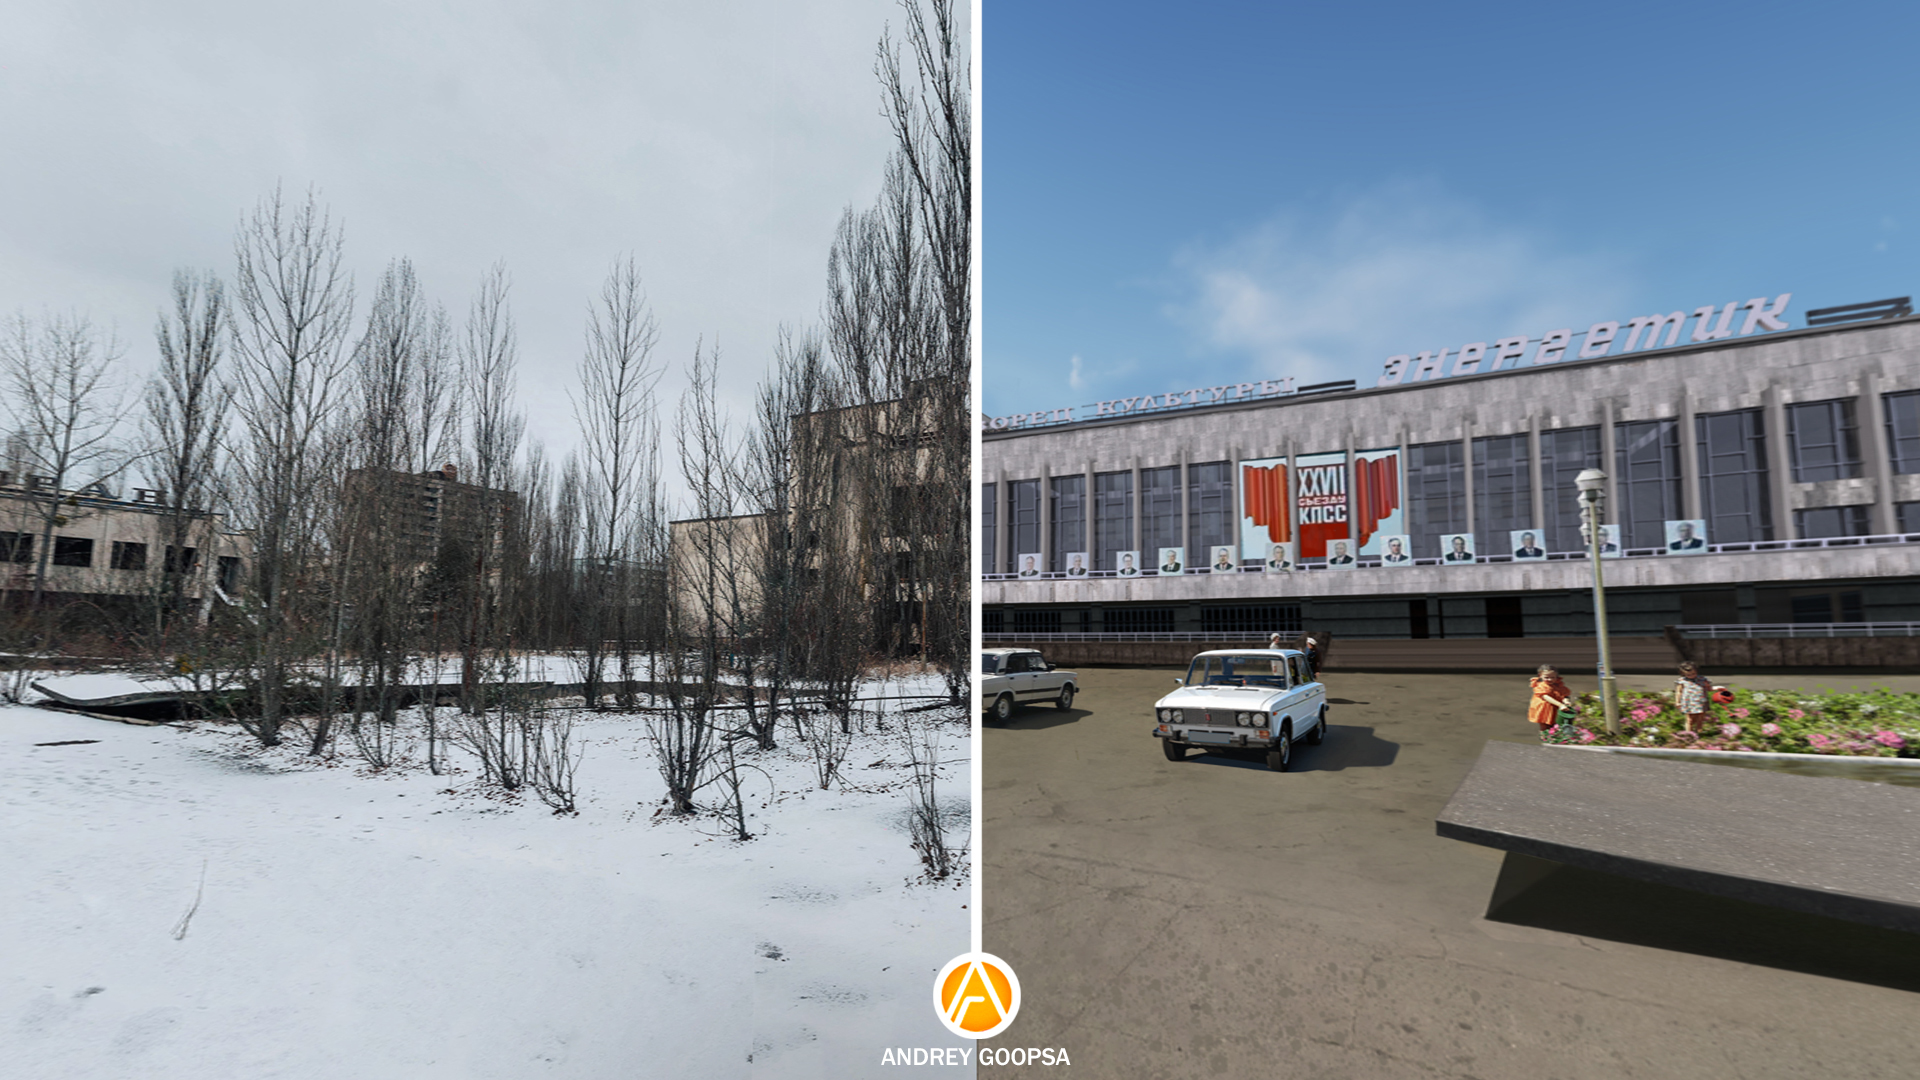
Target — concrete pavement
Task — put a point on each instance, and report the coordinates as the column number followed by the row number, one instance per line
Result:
column 1212, row 918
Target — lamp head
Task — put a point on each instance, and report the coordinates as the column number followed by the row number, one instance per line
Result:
column 1590, row 480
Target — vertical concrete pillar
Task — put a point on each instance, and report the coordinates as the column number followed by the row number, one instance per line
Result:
column 1536, row 477
column 1870, row 414
column 1690, row 504
column 1466, row 477
column 1779, row 464
column 1186, row 510
column 1086, row 505
column 1002, row 528
column 1046, row 516
column 1136, row 505
column 1353, row 534
column 1610, row 462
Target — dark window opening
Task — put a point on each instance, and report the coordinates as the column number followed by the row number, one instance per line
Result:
column 988, row 504
column 1712, row 607
column 16, row 547
column 1251, row 619
column 181, row 560
column 1903, row 431
column 993, row 621
column 1416, row 618
column 1733, row 476
column 1503, row 617
column 229, row 574
column 72, row 551
column 1036, row 622
column 1066, row 520
column 1138, row 621
column 129, row 556
column 1647, row 476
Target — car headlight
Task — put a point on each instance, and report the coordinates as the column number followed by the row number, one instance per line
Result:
column 1179, row 716
column 1243, row 719
column 1166, row 714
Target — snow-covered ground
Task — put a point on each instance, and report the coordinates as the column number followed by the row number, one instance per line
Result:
column 401, row 924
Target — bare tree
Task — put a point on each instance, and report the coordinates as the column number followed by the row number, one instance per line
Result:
column 184, row 423
column 621, row 477
column 66, row 411
column 295, row 305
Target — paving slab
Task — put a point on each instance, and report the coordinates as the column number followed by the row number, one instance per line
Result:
column 1823, row 846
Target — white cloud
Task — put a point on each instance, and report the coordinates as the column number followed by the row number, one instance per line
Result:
column 1325, row 294
column 1076, row 377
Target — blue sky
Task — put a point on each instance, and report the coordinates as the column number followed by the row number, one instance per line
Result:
column 1185, row 195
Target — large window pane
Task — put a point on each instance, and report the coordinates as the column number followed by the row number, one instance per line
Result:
column 1564, row 454
column 1067, row 519
column 1112, row 518
column 1821, row 522
column 1647, row 471
column 1023, row 510
column 1903, row 430
column 1159, row 511
column 1436, row 495
column 1502, row 491
column 1825, row 443
column 1733, row 476
column 988, row 506
column 1209, row 508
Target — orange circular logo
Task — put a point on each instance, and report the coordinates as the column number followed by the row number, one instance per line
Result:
column 977, row 995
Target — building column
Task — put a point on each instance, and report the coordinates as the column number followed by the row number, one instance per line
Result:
column 1086, row 537
column 1186, row 512
column 1234, row 496
column 1610, row 463
column 1002, row 528
column 1870, row 414
column 1466, row 479
column 1353, row 534
column 1689, row 461
column 1779, row 464
column 1536, row 478
column 1134, row 507
column 1046, row 517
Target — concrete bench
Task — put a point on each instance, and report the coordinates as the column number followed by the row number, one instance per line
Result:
column 1839, row 848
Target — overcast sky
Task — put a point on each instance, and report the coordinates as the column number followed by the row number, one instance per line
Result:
column 716, row 142
column 1202, row 194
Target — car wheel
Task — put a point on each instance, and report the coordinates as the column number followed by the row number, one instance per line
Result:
column 1174, row 751
column 1319, row 730
column 1281, row 755
column 1066, row 697
column 1003, row 708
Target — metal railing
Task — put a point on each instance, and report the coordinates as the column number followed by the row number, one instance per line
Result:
column 1799, row 630
column 1319, row 566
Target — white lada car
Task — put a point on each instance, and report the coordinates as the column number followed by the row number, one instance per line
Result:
column 1010, row 678
column 1244, row 699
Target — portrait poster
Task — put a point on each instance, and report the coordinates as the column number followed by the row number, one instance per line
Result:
column 1223, row 560
column 1279, row 558
column 1340, row 556
column 1028, row 565
column 1126, row 563
column 1687, row 537
column 1077, row 564
column 1610, row 541
column 1173, row 560
column 1456, row 549
column 1396, row 550
column 1526, row 545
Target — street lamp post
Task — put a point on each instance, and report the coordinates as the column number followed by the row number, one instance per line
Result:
column 1593, row 500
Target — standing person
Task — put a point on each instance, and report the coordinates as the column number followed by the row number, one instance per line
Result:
column 1550, row 695
column 1691, row 692
column 1313, row 657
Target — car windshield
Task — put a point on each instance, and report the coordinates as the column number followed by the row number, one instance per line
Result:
column 989, row 664
column 1238, row 671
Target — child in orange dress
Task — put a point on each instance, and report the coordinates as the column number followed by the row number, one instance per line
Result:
column 1550, row 695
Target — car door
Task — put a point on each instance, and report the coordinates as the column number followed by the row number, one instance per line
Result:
column 1046, row 684
column 1312, row 695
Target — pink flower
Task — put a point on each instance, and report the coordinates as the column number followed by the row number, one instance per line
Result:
column 1770, row 730
column 1796, row 714
column 1819, row 741
column 1731, row 731
column 1741, row 713
column 1889, row 738
column 1588, row 736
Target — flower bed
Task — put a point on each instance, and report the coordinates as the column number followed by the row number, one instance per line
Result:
column 1878, row 723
